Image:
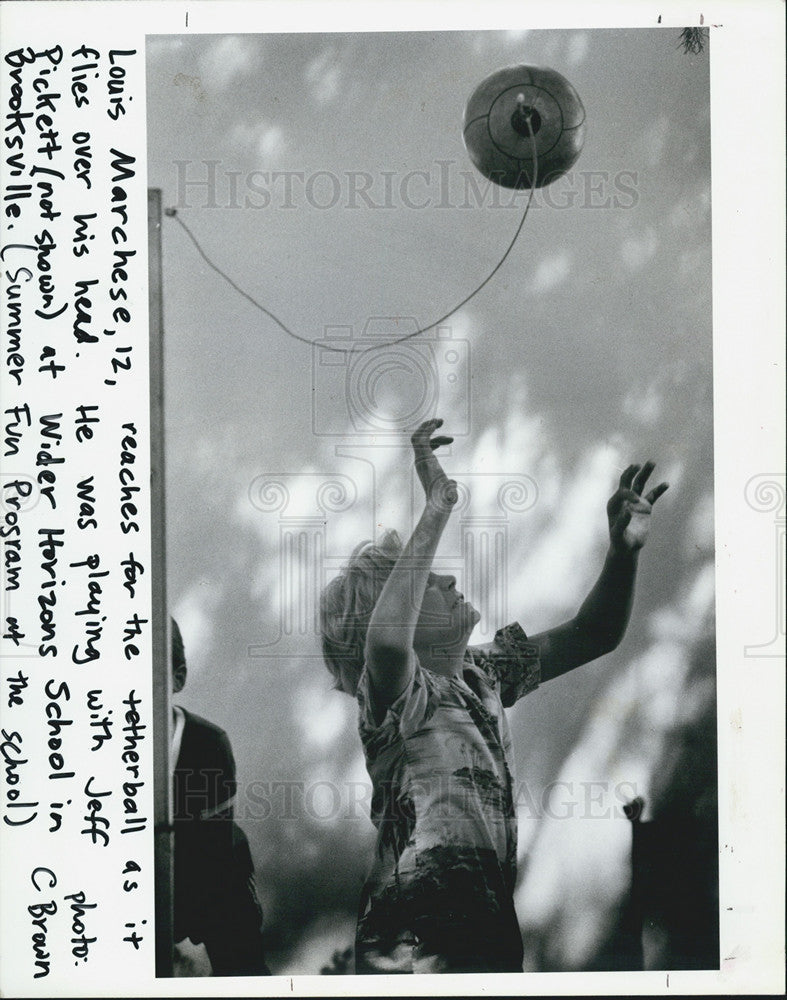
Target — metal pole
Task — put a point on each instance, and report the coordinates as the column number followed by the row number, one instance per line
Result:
column 162, row 684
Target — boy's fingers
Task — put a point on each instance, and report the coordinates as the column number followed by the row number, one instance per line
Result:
column 627, row 476
column 642, row 476
column 656, row 492
column 436, row 442
column 425, row 430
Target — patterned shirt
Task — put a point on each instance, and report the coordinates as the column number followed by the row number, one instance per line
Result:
column 439, row 897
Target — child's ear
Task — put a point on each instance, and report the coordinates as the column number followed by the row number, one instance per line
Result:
column 178, row 678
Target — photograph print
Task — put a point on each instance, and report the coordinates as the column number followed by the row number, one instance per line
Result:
column 438, row 424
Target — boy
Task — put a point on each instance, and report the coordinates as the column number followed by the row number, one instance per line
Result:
column 439, row 897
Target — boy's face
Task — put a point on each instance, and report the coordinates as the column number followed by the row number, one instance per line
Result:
column 446, row 618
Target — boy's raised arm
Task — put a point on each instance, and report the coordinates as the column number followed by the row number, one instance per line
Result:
column 389, row 640
column 601, row 622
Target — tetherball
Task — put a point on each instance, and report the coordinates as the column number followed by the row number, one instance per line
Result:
column 516, row 108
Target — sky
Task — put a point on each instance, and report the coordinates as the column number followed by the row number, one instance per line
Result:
column 329, row 180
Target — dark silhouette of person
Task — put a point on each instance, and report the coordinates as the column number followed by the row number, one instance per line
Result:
column 215, row 898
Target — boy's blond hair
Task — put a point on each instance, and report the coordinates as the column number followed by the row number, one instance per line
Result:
column 346, row 606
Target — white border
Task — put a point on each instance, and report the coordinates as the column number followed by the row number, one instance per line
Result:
column 747, row 62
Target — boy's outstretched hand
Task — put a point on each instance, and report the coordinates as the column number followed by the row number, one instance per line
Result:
column 629, row 511
column 441, row 492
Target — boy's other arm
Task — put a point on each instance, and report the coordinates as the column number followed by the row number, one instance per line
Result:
column 601, row 621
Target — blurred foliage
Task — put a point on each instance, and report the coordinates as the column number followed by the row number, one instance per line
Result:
column 341, row 963
column 694, row 40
